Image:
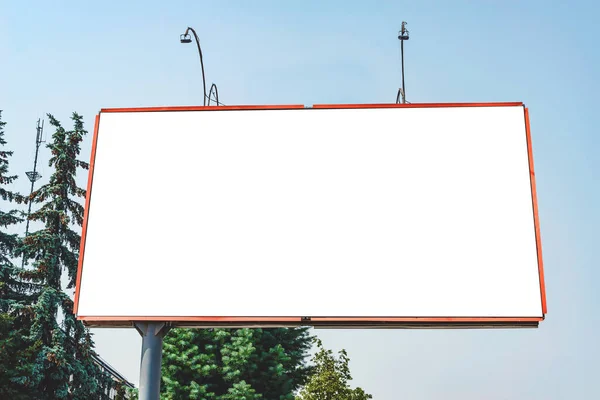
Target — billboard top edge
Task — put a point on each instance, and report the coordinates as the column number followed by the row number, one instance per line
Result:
column 314, row 106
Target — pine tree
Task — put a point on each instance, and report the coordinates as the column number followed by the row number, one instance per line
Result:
column 9, row 285
column 231, row 364
column 330, row 378
column 62, row 366
column 279, row 362
column 13, row 325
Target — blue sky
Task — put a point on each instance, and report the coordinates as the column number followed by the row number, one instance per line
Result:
column 58, row 57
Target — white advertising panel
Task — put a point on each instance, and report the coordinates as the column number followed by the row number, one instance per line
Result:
column 347, row 215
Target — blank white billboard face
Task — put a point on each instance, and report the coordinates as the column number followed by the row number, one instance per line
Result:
column 401, row 212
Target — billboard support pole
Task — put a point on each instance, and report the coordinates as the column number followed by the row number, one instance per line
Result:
column 152, row 340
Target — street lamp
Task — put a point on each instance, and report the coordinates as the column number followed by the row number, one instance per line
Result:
column 213, row 92
column 402, row 36
column 186, row 38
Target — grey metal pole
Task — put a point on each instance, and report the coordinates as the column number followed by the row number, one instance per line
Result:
column 33, row 177
column 150, row 368
column 402, row 36
column 403, row 87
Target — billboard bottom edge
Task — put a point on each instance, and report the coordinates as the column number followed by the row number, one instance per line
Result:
column 321, row 322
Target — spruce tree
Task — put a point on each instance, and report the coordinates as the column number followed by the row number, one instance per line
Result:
column 231, row 364
column 9, row 285
column 14, row 326
column 62, row 366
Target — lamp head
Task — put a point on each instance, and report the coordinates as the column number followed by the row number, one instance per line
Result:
column 185, row 38
column 403, row 34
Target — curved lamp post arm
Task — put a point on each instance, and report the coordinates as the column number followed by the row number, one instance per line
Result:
column 201, row 61
column 216, row 93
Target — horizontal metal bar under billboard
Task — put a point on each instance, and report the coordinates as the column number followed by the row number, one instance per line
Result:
column 324, row 323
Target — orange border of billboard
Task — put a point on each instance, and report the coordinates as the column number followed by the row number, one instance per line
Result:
column 536, row 217
column 316, row 321
column 85, row 214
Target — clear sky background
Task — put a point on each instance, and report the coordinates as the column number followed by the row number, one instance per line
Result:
column 59, row 57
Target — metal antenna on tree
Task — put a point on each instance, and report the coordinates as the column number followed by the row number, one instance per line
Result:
column 402, row 36
column 34, row 175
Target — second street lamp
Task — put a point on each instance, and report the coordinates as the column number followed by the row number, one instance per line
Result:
column 186, row 38
column 214, row 93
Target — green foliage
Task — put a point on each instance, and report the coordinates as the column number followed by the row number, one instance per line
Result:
column 13, row 326
column 231, row 364
column 5, row 178
column 330, row 378
column 9, row 284
column 131, row 394
column 53, row 360
column 241, row 391
column 13, row 349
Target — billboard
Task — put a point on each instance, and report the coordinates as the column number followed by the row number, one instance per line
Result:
column 416, row 215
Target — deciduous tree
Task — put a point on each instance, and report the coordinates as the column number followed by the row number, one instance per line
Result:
column 330, row 378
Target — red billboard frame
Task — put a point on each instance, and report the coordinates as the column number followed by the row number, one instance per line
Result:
column 332, row 322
